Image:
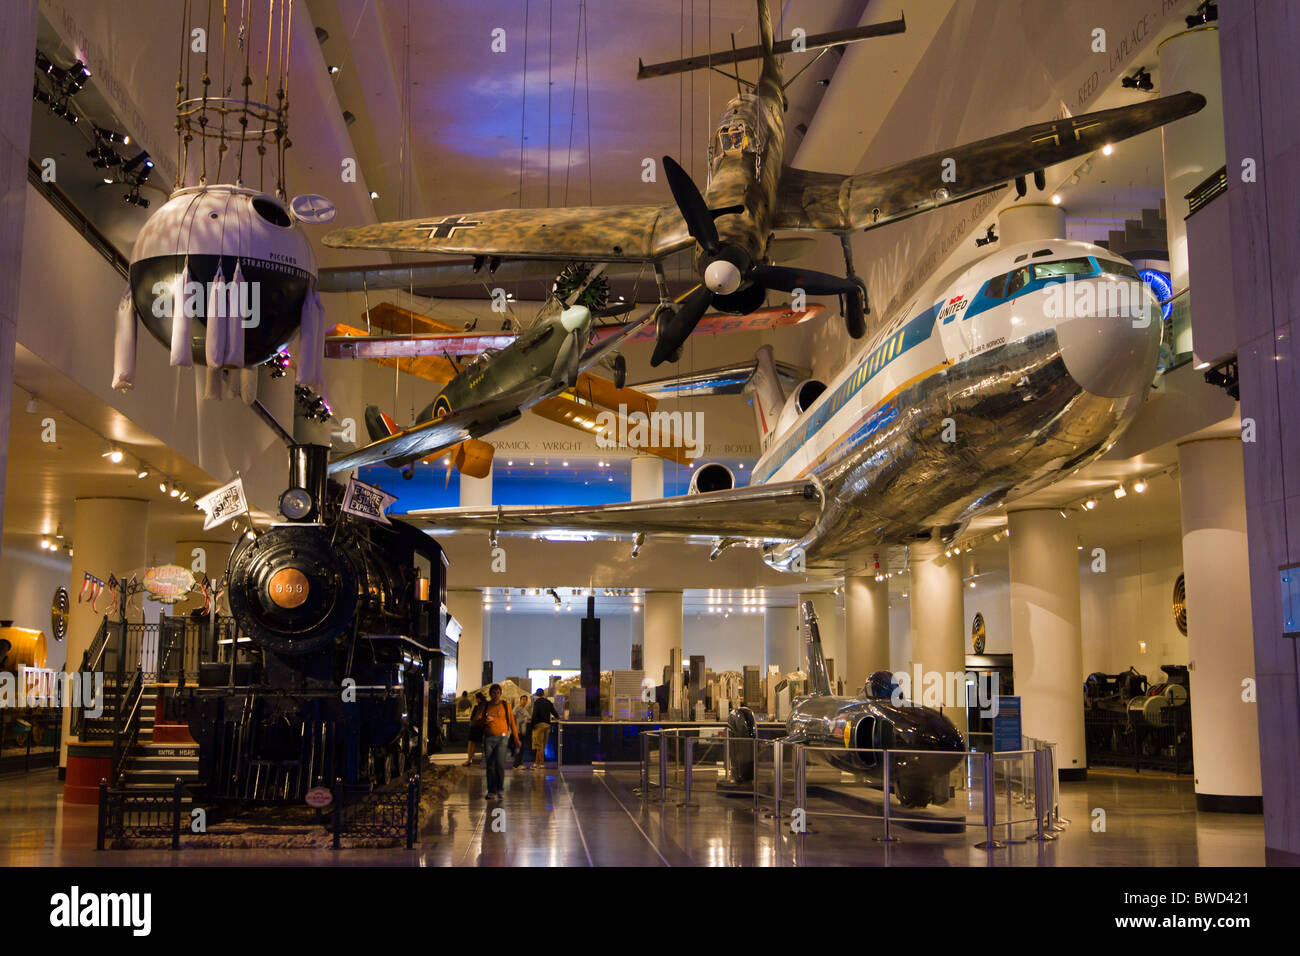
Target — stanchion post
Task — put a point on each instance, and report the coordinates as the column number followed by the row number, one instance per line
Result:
column 753, row 780
column 778, row 777
column 645, row 762
column 990, row 809
column 1040, row 796
column 663, row 766
column 887, row 786
column 687, row 770
column 801, row 784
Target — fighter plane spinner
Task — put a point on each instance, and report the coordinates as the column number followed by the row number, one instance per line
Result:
column 751, row 194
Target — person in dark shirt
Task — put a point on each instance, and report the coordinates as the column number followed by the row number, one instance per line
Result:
column 543, row 714
column 475, row 727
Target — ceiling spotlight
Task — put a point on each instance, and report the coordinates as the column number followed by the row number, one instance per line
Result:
column 1056, row 199
column 972, row 585
column 58, row 531
column 1090, row 504
column 373, row 194
column 332, row 69
column 142, row 472
column 1120, row 492
column 1140, row 485
column 162, row 486
column 32, row 406
column 1107, row 149
column 174, row 491
column 184, row 495
column 112, row 453
column 47, row 544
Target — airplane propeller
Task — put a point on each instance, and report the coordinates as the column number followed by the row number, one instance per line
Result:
column 732, row 280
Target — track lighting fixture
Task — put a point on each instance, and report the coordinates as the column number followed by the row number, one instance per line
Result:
column 1120, row 492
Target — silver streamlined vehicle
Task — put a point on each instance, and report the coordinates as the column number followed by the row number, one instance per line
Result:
column 990, row 384
column 851, row 727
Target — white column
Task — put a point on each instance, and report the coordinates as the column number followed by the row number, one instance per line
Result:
column 938, row 624
column 781, row 644
column 1193, row 146
column 1025, row 221
column 467, row 608
column 1046, row 636
column 647, row 477
column 1220, row 648
column 110, row 536
column 866, row 628
column 663, row 631
column 476, row 493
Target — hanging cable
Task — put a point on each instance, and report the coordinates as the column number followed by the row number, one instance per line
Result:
column 523, row 106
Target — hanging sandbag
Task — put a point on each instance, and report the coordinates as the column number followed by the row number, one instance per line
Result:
column 124, row 335
column 239, row 294
column 248, row 385
column 311, row 342
column 182, row 343
column 214, row 340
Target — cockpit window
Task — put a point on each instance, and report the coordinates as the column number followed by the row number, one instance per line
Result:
column 1117, row 268
column 1016, row 280
column 1063, row 267
column 733, row 138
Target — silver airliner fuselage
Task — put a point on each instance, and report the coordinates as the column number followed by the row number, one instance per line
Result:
column 989, row 385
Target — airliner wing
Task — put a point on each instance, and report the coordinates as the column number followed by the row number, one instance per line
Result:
column 433, row 436
column 811, row 200
column 785, row 510
column 586, row 233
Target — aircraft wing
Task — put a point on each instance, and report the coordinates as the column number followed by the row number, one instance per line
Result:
column 586, row 233
column 432, row 436
column 811, row 200
column 785, row 510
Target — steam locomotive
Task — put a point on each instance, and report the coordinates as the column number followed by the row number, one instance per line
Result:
column 342, row 618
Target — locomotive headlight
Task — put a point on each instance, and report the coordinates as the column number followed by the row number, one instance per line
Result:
column 288, row 588
column 296, row 504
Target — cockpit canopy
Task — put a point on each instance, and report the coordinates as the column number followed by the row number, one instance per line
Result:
column 880, row 686
column 739, row 132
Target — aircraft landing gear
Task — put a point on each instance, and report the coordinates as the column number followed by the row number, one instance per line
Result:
column 408, row 472
column 852, row 275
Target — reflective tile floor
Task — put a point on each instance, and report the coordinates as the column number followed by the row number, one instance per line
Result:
column 597, row 819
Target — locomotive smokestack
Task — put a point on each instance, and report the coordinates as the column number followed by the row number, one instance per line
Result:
column 309, row 470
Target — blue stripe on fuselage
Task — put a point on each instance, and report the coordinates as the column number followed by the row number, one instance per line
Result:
column 873, row 363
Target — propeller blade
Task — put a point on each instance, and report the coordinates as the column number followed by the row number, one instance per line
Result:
column 698, row 216
column 678, row 329
column 786, row 279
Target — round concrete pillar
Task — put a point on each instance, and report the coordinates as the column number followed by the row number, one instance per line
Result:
column 1220, row 645
column 1193, row 146
column 938, row 627
column 781, row 645
column 647, row 477
column 1026, row 221
column 111, row 536
column 866, row 628
column 467, row 608
column 1046, row 636
column 663, row 631
column 476, row 492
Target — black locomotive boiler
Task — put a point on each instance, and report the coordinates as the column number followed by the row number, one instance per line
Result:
column 339, row 619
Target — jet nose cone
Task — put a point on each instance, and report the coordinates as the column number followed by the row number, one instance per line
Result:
column 1111, row 348
column 722, row 277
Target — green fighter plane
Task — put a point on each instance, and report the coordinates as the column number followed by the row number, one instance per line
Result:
column 751, row 194
column 496, row 388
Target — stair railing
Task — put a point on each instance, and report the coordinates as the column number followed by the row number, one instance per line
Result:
column 91, row 661
column 126, row 723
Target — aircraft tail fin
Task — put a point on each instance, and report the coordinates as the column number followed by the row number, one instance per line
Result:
column 765, row 41
column 766, row 395
column 378, row 424
column 819, row 681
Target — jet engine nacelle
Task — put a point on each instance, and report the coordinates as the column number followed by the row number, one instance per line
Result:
column 711, row 477
column 800, row 400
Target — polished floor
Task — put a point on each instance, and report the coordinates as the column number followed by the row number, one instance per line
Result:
column 597, row 819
